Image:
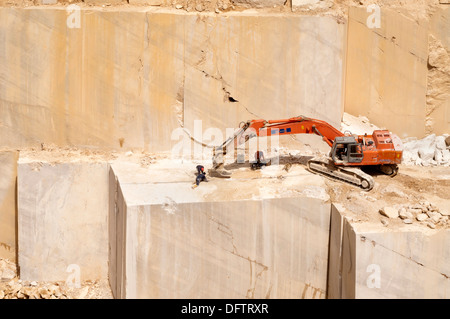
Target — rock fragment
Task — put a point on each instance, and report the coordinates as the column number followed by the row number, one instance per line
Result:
column 405, row 214
column 431, row 225
column 44, row 293
column 83, row 293
column 389, row 212
column 447, row 141
column 421, row 217
column 415, row 211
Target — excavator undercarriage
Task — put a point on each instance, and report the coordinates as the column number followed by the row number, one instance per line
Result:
column 351, row 175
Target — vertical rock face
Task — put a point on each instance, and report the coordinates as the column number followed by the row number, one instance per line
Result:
column 392, row 264
column 124, row 79
column 387, row 70
column 271, row 67
column 236, row 249
column 113, row 78
column 62, row 218
column 172, row 241
column 438, row 89
column 8, row 176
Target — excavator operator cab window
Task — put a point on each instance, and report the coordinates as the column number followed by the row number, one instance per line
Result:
column 355, row 154
column 341, row 152
column 347, row 150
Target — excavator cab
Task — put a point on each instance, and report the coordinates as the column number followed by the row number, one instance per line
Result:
column 346, row 149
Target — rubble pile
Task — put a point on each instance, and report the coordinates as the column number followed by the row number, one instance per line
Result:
column 17, row 289
column 424, row 212
column 11, row 287
column 431, row 150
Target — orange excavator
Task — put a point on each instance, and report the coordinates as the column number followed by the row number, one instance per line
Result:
column 348, row 153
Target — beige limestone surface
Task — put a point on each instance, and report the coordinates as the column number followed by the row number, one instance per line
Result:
column 110, row 83
column 396, row 264
column 409, row 255
column 260, row 234
column 271, row 248
column 126, row 79
column 386, row 77
column 8, row 224
column 438, row 90
column 62, row 220
column 272, row 67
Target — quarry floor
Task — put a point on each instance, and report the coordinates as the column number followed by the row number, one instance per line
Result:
column 413, row 184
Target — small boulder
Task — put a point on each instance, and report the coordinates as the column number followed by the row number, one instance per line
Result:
column 426, row 154
column 447, row 141
column 430, row 213
column 8, row 273
column 440, row 142
column 421, row 217
column 83, row 293
column 27, row 291
column 446, row 156
column 432, row 207
column 405, row 214
column 436, row 217
column 44, row 293
column 415, row 211
column 389, row 212
column 445, row 213
column 16, row 288
column 408, row 221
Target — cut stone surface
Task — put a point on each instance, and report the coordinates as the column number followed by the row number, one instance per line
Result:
column 62, row 220
column 282, row 88
column 8, row 176
column 148, row 70
column 251, row 243
column 407, row 263
column 376, row 84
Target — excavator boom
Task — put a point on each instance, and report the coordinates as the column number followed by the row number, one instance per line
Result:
column 295, row 125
